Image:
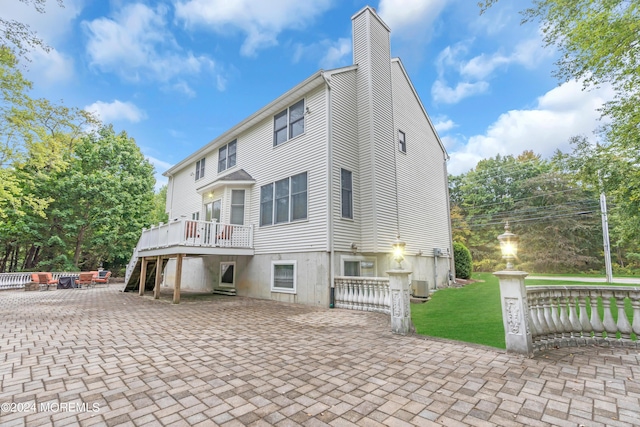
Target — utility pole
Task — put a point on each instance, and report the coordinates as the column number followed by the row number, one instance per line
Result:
column 605, row 237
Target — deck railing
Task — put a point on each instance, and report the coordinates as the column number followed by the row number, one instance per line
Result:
column 362, row 293
column 18, row 280
column 561, row 316
column 185, row 232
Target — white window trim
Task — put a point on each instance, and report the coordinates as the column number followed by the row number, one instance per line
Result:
column 353, row 258
column 404, row 143
column 199, row 167
column 226, row 160
column 227, row 285
column 289, row 198
column 351, row 218
column 295, row 274
column 288, row 127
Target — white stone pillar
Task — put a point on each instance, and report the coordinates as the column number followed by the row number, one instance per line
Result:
column 400, row 302
column 515, row 312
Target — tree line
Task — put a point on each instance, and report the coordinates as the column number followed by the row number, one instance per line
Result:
column 74, row 194
column 554, row 207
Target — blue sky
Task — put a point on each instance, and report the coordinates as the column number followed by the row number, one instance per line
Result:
column 175, row 74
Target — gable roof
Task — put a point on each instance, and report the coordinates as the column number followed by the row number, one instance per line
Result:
column 239, row 177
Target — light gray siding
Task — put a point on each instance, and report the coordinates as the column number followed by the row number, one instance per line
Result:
column 422, row 186
column 267, row 164
column 345, row 156
column 375, row 131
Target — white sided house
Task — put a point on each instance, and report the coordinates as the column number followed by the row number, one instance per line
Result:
column 316, row 185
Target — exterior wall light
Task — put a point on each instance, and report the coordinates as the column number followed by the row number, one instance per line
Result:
column 398, row 251
column 508, row 246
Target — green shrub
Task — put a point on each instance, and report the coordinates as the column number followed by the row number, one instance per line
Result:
column 463, row 260
column 485, row 265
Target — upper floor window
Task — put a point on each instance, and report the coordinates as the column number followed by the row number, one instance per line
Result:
column 200, row 169
column 288, row 123
column 227, row 156
column 284, row 200
column 402, row 142
column 346, row 180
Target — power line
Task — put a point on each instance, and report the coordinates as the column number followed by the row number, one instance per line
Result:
column 538, row 218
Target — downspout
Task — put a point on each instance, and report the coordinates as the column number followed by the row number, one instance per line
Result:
column 452, row 264
column 330, row 242
column 173, row 183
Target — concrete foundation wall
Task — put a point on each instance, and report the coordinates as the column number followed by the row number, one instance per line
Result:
column 423, row 269
column 253, row 276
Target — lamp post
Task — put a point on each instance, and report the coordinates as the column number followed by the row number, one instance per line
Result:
column 400, row 296
column 508, row 246
column 398, row 251
column 513, row 298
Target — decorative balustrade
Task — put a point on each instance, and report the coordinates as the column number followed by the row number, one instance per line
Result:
column 562, row 316
column 363, row 293
column 18, row 280
column 185, row 232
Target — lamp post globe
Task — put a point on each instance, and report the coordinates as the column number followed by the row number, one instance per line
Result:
column 508, row 246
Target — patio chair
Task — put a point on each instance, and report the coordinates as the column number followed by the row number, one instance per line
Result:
column 102, row 277
column 86, row 279
column 45, row 280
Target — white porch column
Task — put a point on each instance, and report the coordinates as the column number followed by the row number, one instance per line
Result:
column 515, row 312
column 400, row 302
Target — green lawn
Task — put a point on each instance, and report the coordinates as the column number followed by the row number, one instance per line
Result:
column 472, row 313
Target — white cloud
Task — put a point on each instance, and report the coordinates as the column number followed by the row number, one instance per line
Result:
column 160, row 167
column 53, row 25
column 528, row 53
column 51, row 67
column 108, row 112
column 441, row 92
column 333, row 53
column 260, row 21
column 475, row 72
column 443, row 124
column 559, row 114
column 136, row 45
column 407, row 18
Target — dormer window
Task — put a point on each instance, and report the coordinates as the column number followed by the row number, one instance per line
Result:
column 200, row 169
column 227, row 156
column 288, row 123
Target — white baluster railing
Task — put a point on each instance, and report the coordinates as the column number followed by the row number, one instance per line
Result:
column 362, row 293
column 559, row 316
column 18, row 280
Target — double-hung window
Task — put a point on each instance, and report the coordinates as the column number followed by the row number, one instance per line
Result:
column 284, row 200
column 288, row 123
column 237, row 207
column 346, row 183
column 200, row 169
column 402, row 142
column 227, row 156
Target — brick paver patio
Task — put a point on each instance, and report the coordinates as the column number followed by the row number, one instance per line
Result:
column 101, row 357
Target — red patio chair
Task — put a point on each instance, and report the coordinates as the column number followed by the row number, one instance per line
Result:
column 102, row 278
column 86, row 279
column 45, row 280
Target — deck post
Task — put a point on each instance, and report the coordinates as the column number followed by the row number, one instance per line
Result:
column 176, row 286
column 143, row 275
column 156, row 289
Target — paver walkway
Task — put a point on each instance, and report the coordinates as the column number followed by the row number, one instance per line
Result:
column 101, row 357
